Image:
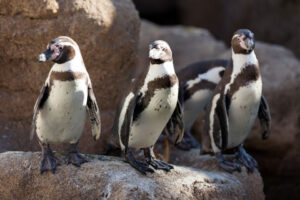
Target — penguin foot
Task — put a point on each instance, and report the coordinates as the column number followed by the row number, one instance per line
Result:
column 140, row 166
column 244, row 158
column 49, row 162
column 76, row 159
column 158, row 164
column 228, row 165
column 188, row 142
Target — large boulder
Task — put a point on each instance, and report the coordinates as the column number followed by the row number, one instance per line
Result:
column 107, row 34
column 222, row 18
column 111, row 178
column 188, row 44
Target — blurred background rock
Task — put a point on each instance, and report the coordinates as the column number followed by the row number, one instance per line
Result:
column 272, row 21
column 114, row 43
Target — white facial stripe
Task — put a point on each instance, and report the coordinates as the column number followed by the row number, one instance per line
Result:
column 211, row 75
column 122, row 116
column 236, row 35
column 67, row 44
column 211, row 124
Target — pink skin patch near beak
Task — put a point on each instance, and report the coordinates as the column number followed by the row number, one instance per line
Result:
column 242, row 43
column 55, row 53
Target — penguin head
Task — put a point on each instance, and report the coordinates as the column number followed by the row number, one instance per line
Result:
column 60, row 50
column 160, row 51
column 243, row 41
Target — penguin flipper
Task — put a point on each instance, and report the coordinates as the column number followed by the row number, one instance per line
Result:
column 127, row 114
column 175, row 127
column 264, row 117
column 221, row 112
column 94, row 114
column 44, row 93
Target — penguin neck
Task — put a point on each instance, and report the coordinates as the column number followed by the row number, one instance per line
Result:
column 160, row 70
column 241, row 61
column 76, row 64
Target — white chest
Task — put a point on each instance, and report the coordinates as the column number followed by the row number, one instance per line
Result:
column 62, row 118
column 243, row 112
column 194, row 105
column 146, row 130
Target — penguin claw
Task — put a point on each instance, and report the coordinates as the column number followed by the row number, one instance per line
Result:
column 228, row 165
column 142, row 167
column 76, row 159
column 244, row 158
column 49, row 162
column 158, row 164
column 138, row 165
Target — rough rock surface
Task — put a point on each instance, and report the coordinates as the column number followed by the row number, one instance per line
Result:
column 106, row 32
column 111, row 178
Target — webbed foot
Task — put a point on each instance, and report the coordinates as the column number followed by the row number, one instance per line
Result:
column 157, row 164
column 228, row 165
column 244, row 158
column 49, row 161
column 140, row 166
column 75, row 157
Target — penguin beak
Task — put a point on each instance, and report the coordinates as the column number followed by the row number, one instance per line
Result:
column 45, row 55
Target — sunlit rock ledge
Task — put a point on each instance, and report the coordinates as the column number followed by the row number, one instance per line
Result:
column 112, row 178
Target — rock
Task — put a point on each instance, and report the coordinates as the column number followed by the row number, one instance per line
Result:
column 222, row 18
column 188, row 44
column 106, row 32
column 111, row 178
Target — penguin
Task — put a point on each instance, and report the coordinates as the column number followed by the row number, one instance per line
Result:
column 150, row 105
column 236, row 103
column 60, row 110
column 197, row 83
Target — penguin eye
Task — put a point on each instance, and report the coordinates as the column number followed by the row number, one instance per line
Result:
column 59, row 47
